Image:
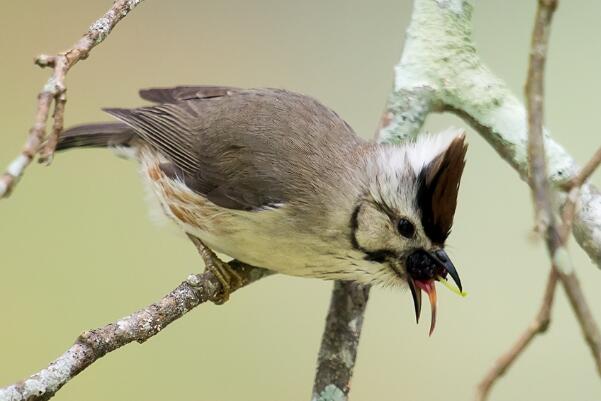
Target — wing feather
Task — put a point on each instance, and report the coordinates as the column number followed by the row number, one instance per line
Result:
column 175, row 141
column 179, row 93
column 243, row 149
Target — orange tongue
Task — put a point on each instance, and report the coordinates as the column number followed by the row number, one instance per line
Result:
column 430, row 289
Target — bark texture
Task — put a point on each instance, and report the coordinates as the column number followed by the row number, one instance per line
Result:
column 340, row 341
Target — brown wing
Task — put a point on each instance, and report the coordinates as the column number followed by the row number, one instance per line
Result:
column 180, row 93
column 243, row 149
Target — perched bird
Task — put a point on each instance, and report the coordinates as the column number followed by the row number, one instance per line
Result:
column 276, row 179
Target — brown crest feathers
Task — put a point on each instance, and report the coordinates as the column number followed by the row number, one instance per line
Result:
column 438, row 187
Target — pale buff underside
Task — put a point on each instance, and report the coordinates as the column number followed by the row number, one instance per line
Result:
column 257, row 238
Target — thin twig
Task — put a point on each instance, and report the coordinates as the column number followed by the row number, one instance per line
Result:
column 340, row 340
column 542, row 320
column 586, row 171
column 139, row 326
column 573, row 189
column 54, row 92
column 555, row 236
column 588, row 324
column 541, row 189
column 539, row 325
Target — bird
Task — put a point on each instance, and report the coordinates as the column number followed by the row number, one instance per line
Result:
column 275, row 179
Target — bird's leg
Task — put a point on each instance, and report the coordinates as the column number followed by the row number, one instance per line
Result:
column 229, row 278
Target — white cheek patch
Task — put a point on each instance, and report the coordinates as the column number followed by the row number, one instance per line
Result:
column 376, row 231
column 393, row 182
column 372, row 233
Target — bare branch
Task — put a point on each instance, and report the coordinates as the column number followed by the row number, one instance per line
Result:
column 542, row 320
column 338, row 351
column 540, row 184
column 579, row 303
column 539, row 325
column 555, row 236
column 541, row 189
column 54, row 92
column 573, row 188
column 586, row 171
column 139, row 326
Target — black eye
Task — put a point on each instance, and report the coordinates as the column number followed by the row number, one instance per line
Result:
column 406, row 228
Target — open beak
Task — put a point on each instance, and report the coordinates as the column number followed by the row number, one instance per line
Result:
column 430, row 289
column 443, row 260
column 423, row 270
column 416, row 293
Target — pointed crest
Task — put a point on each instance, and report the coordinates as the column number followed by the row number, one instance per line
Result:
column 438, row 187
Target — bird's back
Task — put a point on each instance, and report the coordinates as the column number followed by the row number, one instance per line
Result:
column 245, row 149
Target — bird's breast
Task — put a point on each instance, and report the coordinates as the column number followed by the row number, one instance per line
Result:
column 272, row 239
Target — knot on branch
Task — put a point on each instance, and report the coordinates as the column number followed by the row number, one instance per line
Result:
column 204, row 288
column 45, row 60
column 96, row 341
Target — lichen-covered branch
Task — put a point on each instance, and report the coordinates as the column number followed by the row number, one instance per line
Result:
column 139, row 326
column 54, row 93
column 340, row 340
column 440, row 70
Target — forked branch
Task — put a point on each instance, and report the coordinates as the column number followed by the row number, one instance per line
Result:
column 54, row 93
column 556, row 234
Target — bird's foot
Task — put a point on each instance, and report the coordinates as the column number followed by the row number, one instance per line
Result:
column 229, row 278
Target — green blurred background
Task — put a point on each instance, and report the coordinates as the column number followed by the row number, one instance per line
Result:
column 78, row 249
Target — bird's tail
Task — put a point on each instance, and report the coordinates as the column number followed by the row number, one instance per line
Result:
column 101, row 135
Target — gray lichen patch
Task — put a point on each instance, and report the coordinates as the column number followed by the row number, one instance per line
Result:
column 102, row 28
column 455, row 6
column 132, row 3
column 331, row 393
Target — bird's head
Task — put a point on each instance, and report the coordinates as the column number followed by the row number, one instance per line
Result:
column 403, row 219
